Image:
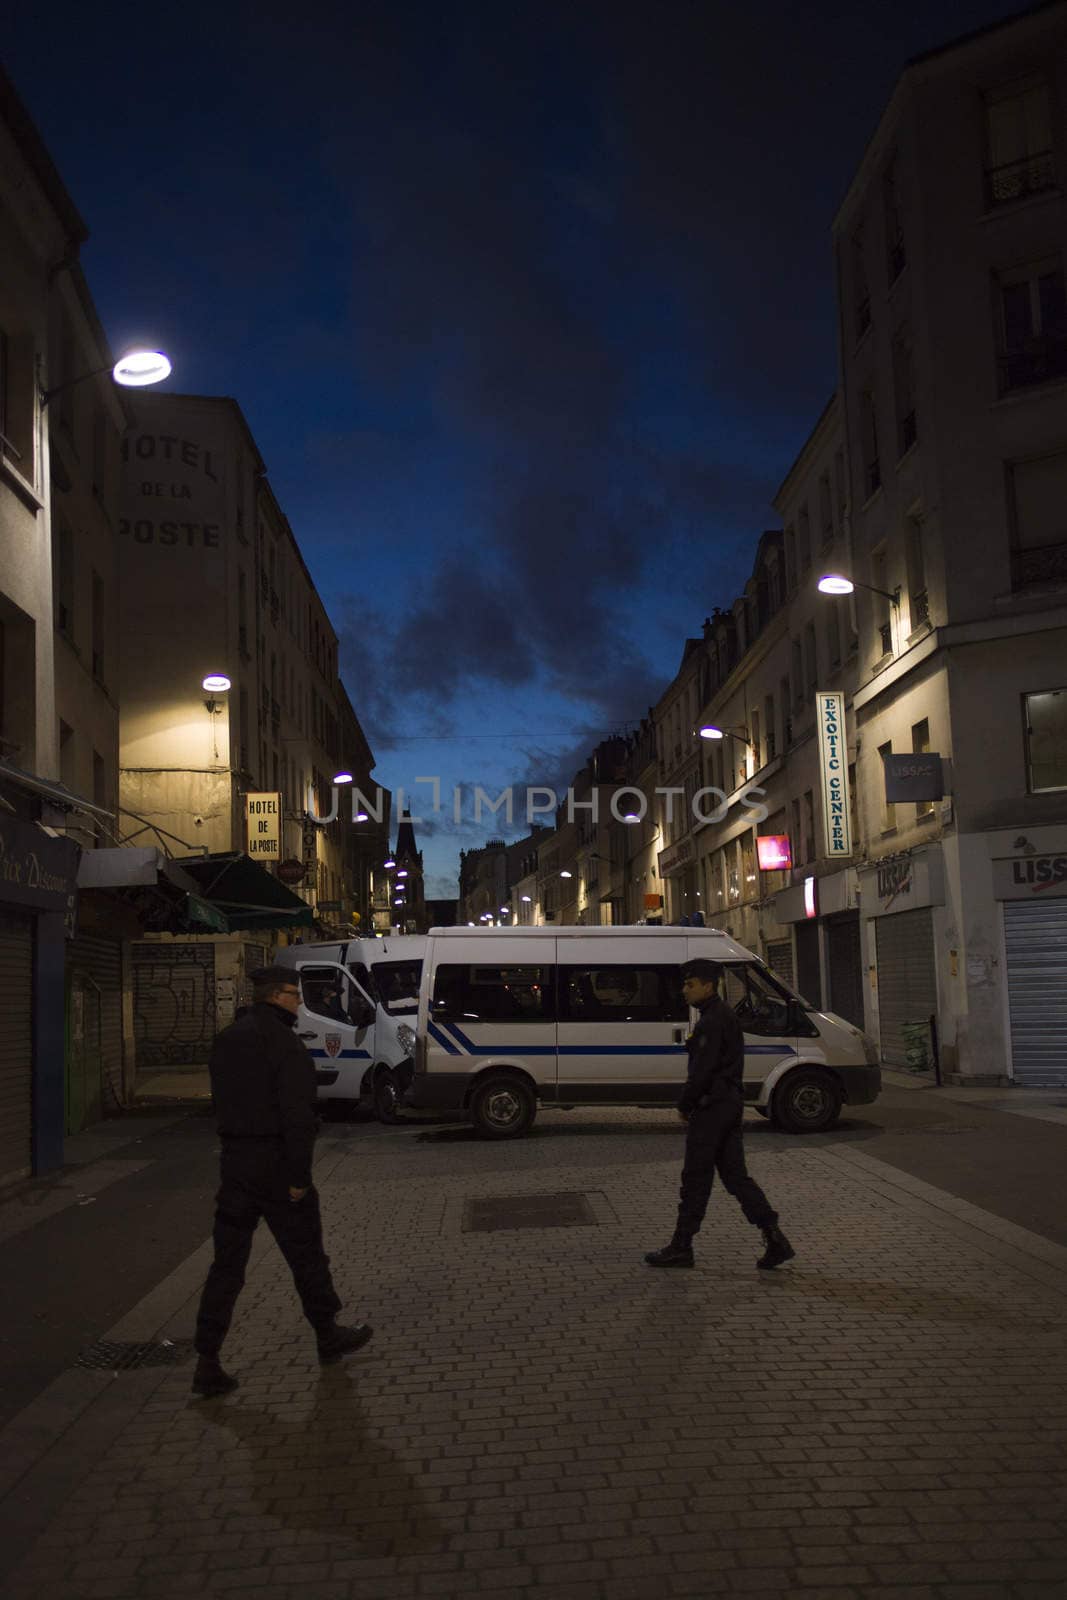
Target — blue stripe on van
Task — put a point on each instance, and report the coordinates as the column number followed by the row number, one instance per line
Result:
column 435, row 1033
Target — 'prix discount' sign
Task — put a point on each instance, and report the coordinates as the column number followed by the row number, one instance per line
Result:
column 833, row 774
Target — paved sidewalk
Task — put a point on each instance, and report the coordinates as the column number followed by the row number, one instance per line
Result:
column 540, row 1414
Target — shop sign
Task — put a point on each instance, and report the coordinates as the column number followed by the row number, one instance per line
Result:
column 290, row 871
column 903, row 882
column 37, row 870
column 773, row 852
column 811, row 907
column 833, row 775
column 653, row 902
column 263, row 817
column 914, row 777
column 1019, row 877
column 893, row 880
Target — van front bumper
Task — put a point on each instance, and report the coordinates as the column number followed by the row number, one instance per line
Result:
column 862, row 1085
column 437, row 1091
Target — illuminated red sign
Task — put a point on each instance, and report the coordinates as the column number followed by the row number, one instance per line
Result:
column 773, row 852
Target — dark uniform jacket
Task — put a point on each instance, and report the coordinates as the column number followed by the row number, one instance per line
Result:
column 716, row 1058
column 263, row 1081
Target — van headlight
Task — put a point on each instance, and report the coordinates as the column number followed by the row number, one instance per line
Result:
column 405, row 1034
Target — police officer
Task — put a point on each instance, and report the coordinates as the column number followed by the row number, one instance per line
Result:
column 712, row 1104
column 263, row 1082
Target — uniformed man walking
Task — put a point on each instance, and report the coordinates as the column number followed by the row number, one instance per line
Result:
column 713, row 1106
column 263, row 1081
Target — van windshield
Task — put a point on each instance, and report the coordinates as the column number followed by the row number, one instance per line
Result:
column 398, row 985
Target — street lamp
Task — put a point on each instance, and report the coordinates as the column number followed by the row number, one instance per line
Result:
column 342, row 777
column 566, row 874
column 134, row 370
column 215, row 683
column 389, row 862
column 837, row 583
column 711, row 731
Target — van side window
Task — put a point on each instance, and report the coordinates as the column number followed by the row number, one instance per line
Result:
column 364, row 976
column 493, row 994
column 622, row 993
column 323, row 989
column 762, row 1007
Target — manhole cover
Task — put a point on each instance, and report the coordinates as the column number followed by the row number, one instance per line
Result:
column 107, row 1356
column 495, row 1212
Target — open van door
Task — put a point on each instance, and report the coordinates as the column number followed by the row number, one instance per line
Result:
column 336, row 1024
column 767, row 1014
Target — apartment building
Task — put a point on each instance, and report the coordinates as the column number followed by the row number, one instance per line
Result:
column 949, row 250
column 214, row 587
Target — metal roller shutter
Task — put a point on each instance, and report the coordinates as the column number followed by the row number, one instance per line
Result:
column 843, row 958
column 1035, row 937
column 16, row 1046
column 907, row 978
column 780, row 960
column 94, row 1055
column 809, row 980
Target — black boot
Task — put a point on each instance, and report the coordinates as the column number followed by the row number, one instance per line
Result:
column 778, row 1247
column 335, row 1342
column 679, row 1253
column 209, row 1380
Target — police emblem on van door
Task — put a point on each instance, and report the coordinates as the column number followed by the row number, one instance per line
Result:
column 332, row 1041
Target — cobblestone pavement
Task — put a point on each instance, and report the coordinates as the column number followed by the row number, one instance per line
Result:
column 539, row 1413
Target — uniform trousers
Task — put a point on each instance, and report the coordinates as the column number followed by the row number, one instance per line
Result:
column 714, row 1143
column 253, row 1185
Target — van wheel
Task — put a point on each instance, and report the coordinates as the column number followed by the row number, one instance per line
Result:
column 807, row 1101
column 502, row 1107
column 386, row 1096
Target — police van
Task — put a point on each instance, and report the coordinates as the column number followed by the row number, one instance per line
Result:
column 358, row 1003
column 513, row 1018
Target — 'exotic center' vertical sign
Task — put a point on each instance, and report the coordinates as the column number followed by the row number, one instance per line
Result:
column 263, row 815
column 833, row 771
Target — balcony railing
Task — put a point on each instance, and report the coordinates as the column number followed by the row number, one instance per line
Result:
column 1039, row 360
column 1048, row 564
column 1016, row 180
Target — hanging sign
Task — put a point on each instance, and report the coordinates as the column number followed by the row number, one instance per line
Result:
column 263, row 816
column 833, row 775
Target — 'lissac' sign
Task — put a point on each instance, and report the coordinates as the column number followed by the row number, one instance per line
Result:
column 833, row 775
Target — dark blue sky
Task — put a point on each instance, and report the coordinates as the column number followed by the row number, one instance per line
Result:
column 529, row 309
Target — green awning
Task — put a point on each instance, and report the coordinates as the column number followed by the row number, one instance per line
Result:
column 245, row 893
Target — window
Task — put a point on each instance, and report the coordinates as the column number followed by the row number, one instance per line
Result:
column 904, row 391
column 790, row 560
column 762, row 1006
column 1019, row 159
column 804, row 539
column 324, row 991
column 64, row 580
column 17, row 400
column 1046, row 740
column 872, row 471
column 833, row 636
column 798, row 674
column 811, row 661
column 896, row 252
column 882, row 620
column 826, row 509
column 67, row 772
column 621, row 993
column 918, row 602
column 809, row 825
column 768, row 724
column 889, row 810
column 98, row 630
column 920, row 743
column 1033, row 325
column 840, row 485
column 492, row 994
column 861, row 294
column 1037, row 508
column 398, row 985
column 750, row 877
column 757, row 747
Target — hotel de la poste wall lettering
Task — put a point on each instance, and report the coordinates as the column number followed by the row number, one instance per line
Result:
column 179, row 481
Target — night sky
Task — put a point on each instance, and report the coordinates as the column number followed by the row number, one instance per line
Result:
column 529, row 309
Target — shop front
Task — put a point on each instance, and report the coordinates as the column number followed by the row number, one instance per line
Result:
column 38, row 878
column 1032, row 891
column 827, row 960
column 899, row 895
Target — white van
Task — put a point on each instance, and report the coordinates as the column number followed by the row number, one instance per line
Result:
column 512, row 1017
column 358, row 1003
